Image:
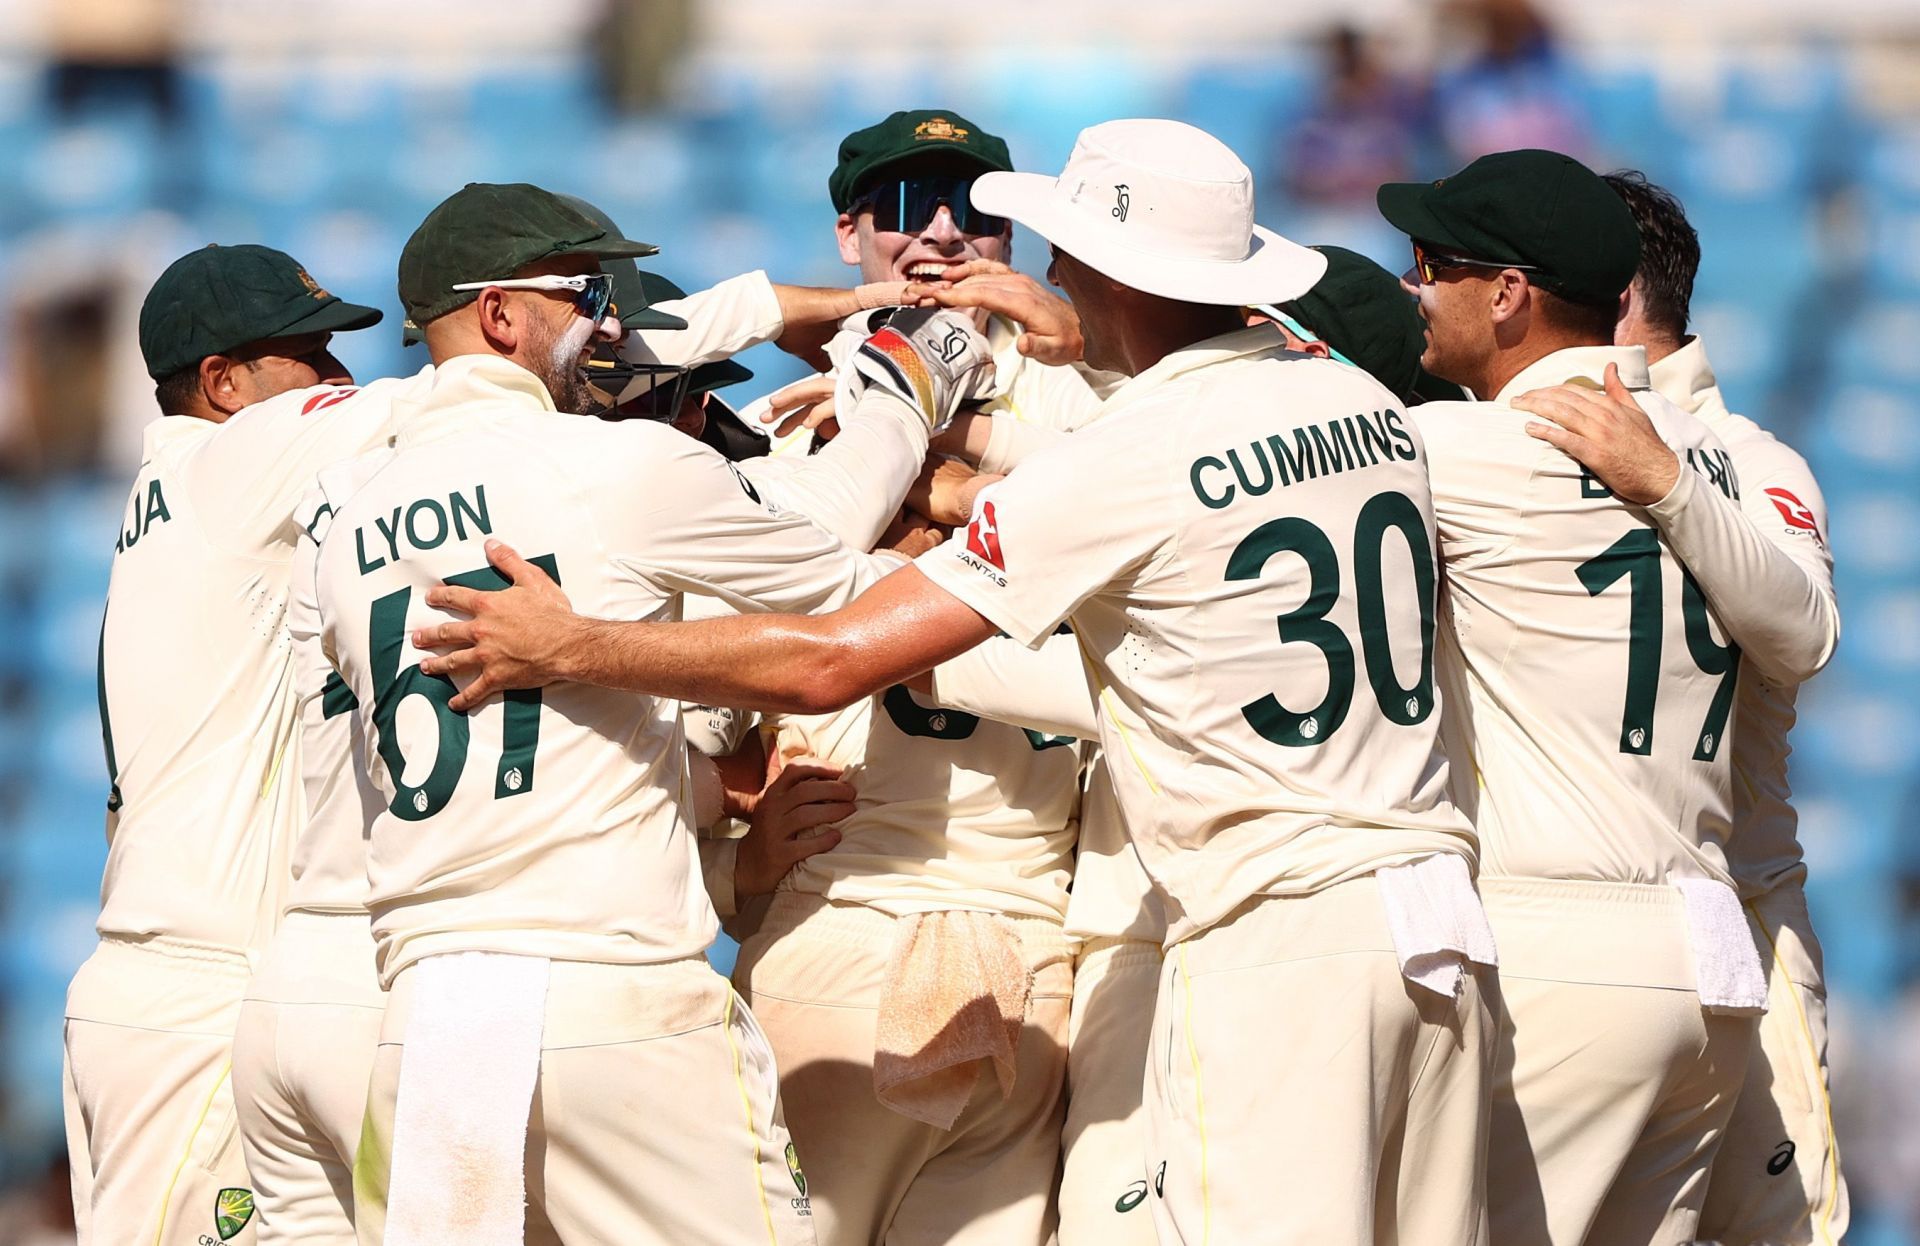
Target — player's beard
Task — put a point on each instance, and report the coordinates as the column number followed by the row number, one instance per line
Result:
column 558, row 365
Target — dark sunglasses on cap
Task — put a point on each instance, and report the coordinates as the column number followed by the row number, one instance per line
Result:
column 592, row 292
column 909, row 205
column 1429, row 263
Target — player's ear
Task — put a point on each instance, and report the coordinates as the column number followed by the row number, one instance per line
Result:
column 1510, row 294
column 500, row 321
column 1316, row 348
column 847, row 231
column 220, row 383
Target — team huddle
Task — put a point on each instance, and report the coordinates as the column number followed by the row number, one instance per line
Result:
column 1254, row 750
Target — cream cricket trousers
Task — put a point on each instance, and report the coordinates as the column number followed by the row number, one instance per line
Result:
column 1777, row 1180
column 302, row 1057
column 655, row 1119
column 814, row 973
column 1301, row 1092
column 149, row 1107
column 1612, row 1086
column 1104, row 1185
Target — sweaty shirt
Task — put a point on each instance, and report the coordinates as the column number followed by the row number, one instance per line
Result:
column 1243, row 541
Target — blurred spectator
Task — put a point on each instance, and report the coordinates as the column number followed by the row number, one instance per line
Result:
column 1365, row 128
column 1512, row 91
column 639, row 42
column 39, row 1211
column 108, row 52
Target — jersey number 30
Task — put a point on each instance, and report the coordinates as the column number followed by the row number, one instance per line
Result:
column 1309, row 624
column 520, row 734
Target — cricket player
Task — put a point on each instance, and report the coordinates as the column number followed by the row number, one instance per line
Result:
column 536, row 896
column 1322, row 928
column 1777, row 1178
column 1356, row 312
column 198, row 716
column 1590, row 662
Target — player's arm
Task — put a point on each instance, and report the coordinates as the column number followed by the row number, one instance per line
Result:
column 1784, row 620
column 747, row 310
column 1046, row 689
column 528, row 636
column 855, row 484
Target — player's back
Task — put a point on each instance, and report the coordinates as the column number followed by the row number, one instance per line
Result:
column 1590, row 690
column 952, row 811
column 546, row 822
column 196, row 689
column 1252, row 577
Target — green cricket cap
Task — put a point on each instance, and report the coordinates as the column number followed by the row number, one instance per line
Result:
column 487, row 231
column 912, row 135
column 1359, row 309
column 1535, row 208
column 218, row 299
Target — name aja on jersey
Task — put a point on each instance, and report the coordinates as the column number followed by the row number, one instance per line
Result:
column 144, row 514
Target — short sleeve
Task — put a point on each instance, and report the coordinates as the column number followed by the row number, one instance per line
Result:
column 1070, row 522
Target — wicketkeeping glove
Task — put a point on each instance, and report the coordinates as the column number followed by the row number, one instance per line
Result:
column 931, row 358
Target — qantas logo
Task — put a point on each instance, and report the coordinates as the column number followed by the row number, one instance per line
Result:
column 1793, row 510
column 983, row 537
column 320, row 402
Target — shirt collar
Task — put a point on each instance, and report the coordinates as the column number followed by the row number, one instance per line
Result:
column 500, row 386
column 169, row 429
column 1578, row 365
column 1260, row 339
column 1685, row 379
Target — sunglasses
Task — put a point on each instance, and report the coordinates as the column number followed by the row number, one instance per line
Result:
column 592, row 292
column 909, row 205
column 1429, row 263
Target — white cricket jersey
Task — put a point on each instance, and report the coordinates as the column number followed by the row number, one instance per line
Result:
column 330, row 855
column 1590, row 689
column 1779, row 494
column 548, row 822
column 1244, row 542
column 951, row 811
column 197, row 693
column 722, row 321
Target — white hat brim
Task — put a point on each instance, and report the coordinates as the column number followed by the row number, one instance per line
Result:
column 1274, row 270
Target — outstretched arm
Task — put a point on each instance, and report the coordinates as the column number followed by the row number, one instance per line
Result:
column 528, row 636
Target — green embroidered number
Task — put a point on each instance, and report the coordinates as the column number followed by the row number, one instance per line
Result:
column 1636, row 556
column 387, row 631
column 1309, row 624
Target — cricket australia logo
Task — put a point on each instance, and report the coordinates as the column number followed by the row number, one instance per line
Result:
column 802, row 1204
column 1120, row 202
column 232, row 1209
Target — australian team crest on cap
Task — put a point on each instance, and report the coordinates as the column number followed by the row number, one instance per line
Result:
column 939, row 129
column 313, row 287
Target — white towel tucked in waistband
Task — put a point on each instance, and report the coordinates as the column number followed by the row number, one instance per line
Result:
column 1726, row 964
column 472, row 1055
column 1436, row 920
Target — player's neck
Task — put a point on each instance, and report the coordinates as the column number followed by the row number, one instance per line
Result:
column 1506, row 364
column 1148, row 340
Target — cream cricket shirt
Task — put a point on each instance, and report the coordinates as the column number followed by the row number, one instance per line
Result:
column 1244, row 543
column 1590, row 689
column 548, row 822
column 197, row 695
column 722, row 321
column 952, row 811
column 1779, row 494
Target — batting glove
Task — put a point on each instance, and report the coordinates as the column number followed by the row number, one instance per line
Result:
column 929, row 358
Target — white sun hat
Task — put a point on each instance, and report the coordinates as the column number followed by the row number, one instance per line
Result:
column 1160, row 206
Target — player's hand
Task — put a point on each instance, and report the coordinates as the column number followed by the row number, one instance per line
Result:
column 1052, row 326
column 807, row 403
column 1609, row 434
column 791, row 822
column 518, row 637
column 945, row 490
column 911, row 534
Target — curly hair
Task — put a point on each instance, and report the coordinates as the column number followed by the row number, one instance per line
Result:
column 1669, row 250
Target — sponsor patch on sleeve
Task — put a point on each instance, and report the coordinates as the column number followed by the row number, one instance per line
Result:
column 1794, row 511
